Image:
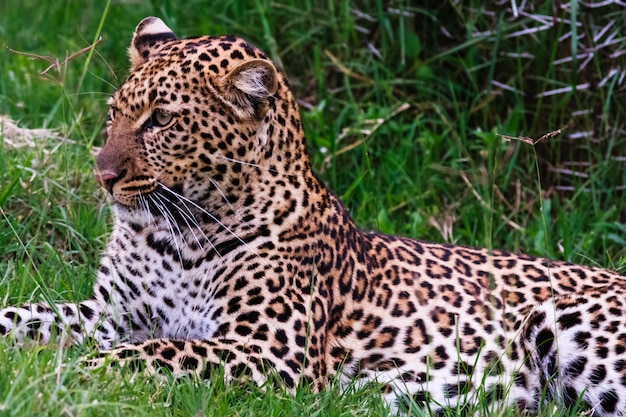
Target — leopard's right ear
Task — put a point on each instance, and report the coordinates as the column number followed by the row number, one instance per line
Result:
column 149, row 34
column 247, row 87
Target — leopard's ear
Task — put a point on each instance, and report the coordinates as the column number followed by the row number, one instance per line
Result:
column 149, row 34
column 247, row 87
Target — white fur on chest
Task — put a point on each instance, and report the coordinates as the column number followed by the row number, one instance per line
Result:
column 159, row 290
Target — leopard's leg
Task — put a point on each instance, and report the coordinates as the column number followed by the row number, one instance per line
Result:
column 63, row 323
column 201, row 358
column 576, row 344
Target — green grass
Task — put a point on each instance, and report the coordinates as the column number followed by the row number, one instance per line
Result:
column 401, row 118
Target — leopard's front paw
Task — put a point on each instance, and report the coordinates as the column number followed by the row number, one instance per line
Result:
column 123, row 356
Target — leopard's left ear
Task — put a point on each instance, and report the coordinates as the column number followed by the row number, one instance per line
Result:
column 247, row 87
column 149, row 34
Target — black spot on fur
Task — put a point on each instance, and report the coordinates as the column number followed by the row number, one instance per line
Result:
column 608, row 401
column 569, row 320
column 575, row 367
column 598, row 374
column 168, row 353
column 544, row 342
column 86, row 311
column 163, row 365
column 127, row 353
column 582, row 340
column 14, row 317
column 189, row 363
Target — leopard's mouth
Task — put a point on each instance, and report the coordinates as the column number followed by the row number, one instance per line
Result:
column 126, row 191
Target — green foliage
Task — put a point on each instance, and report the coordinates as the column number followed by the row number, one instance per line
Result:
column 402, row 103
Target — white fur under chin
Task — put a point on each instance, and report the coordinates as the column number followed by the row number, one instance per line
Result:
column 132, row 215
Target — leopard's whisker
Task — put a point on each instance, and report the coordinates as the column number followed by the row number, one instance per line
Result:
column 170, row 222
column 143, row 203
column 173, row 227
column 187, row 217
column 191, row 226
column 219, row 190
column 237, row 161
column 236, row 213
column 184, row 199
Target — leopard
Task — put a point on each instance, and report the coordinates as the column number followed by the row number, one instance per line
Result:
column 228, row 254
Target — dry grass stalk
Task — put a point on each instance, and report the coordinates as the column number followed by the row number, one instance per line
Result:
column 54, row 61
column 532, row 141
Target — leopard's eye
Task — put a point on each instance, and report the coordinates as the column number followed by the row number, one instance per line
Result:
column 161, row 118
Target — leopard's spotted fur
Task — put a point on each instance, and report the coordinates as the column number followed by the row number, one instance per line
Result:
column 227, row 250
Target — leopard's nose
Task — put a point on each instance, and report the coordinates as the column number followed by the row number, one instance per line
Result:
column 106, row 179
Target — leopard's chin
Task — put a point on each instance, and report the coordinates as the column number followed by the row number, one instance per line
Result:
column 136, row 217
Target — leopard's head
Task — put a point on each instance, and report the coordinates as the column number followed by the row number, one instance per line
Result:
column 207, row 119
